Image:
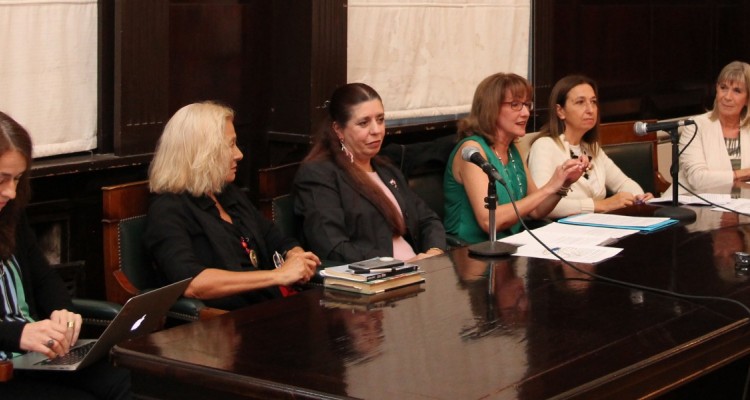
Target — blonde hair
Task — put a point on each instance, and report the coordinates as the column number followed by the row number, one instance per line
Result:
column 737, row 72
column 192, row 154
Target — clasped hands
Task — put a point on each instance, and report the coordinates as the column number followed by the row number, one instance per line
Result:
column 52, row 337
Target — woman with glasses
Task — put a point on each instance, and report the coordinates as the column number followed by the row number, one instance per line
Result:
column 572, row 133
column 35, row 313
column 499, row 113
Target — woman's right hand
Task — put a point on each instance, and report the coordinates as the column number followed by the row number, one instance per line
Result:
column 298, row 267
column 37, row 335
column 569, row 172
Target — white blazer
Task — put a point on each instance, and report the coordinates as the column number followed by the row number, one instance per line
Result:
column 705, row 163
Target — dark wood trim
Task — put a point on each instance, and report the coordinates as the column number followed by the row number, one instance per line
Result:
column 85, row 163
column 141, row 74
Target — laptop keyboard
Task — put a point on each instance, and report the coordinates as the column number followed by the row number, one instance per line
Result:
column 74, row 356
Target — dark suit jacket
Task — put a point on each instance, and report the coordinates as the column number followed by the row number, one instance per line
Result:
column 44, row 289
column 341, row 225
column 185, row 235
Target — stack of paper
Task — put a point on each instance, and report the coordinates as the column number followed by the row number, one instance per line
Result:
column 574, row 243
column 643, row 224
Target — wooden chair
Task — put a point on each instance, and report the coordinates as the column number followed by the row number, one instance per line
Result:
column 127, row 268
column 637, row 156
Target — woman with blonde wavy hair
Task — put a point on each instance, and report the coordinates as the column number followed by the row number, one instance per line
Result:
column 202, row 226
column 716, row 151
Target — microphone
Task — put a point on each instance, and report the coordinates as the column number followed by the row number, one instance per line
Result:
column 471, row 154
column 641, row 128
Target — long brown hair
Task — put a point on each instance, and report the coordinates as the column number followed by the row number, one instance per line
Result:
column 13, row 137
column 556, row 126
column 328, row 147
column 488, row 97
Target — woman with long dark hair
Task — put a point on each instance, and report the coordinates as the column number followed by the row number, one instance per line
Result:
column 35, row 306
column 355, row 205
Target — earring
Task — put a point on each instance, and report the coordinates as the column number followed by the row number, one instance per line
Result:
column 347, row 152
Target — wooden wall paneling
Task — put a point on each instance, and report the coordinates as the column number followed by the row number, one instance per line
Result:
column 651, row 58
column 106, row 77
column 309, row 63
column 141, row 68
column 542, row 64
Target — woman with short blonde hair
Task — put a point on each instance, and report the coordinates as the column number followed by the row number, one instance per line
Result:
column 198, row 164
column 201, row 226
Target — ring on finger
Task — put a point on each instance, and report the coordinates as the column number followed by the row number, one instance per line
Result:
column 71, row 324
column 50, row 343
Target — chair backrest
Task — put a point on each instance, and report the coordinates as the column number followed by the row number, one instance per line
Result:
column 636, row 161
column 423, row 164
column 273, row 184
column 126, row 265
column 617, row 133
column 282, row 214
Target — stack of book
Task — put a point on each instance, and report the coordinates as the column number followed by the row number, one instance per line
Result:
column 372, row 276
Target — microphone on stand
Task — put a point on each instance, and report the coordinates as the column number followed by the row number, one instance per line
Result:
column 472, row 155
column 642, row 128
column 674, row 210
column 491, row 248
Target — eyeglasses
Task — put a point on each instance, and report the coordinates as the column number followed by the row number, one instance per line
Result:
column 517, row 105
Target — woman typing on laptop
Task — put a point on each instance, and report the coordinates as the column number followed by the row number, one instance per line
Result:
column 34, row 314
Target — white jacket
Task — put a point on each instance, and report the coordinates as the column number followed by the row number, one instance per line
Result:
column 545, row 156
column 705, row 163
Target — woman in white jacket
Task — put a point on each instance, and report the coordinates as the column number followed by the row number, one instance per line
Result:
column 720, row 152
column 572, row 132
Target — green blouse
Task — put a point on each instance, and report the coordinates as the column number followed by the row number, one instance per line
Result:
column 459, row 216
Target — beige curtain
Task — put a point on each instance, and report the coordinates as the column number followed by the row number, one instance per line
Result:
column 425, row 58
column 48, row 71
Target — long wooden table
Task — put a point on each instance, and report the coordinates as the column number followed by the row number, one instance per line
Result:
column 510, row 328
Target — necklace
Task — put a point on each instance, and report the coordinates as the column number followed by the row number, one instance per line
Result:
column 575, row 157
column 517, row 190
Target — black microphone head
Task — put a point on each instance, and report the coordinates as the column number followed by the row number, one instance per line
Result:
column 640, row 128
column 467, row 152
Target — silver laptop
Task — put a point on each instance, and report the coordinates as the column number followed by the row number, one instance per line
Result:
column 140, row 315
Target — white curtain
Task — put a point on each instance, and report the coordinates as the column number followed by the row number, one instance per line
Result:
column 425, row 58
column 48, row 71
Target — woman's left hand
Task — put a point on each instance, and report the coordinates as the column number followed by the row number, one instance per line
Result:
column 71, row 321
column 642, row 198
column 426, row 254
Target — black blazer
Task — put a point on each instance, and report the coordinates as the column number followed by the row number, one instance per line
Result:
column 44, row 289
column 185, row 235
column 339, row 224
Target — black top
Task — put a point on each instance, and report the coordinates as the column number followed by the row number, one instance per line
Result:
column 44, row 289
column 185, row 235
column 339, row 224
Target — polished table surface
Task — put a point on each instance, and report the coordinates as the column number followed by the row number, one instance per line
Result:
column 507, row 328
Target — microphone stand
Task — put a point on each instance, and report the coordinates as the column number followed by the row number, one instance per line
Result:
column 674, row 211
column 492, row 248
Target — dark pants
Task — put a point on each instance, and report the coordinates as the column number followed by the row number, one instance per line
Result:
column 97, row 381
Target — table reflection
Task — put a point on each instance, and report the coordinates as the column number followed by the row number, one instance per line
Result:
column 497, row 294
column 356, row 335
